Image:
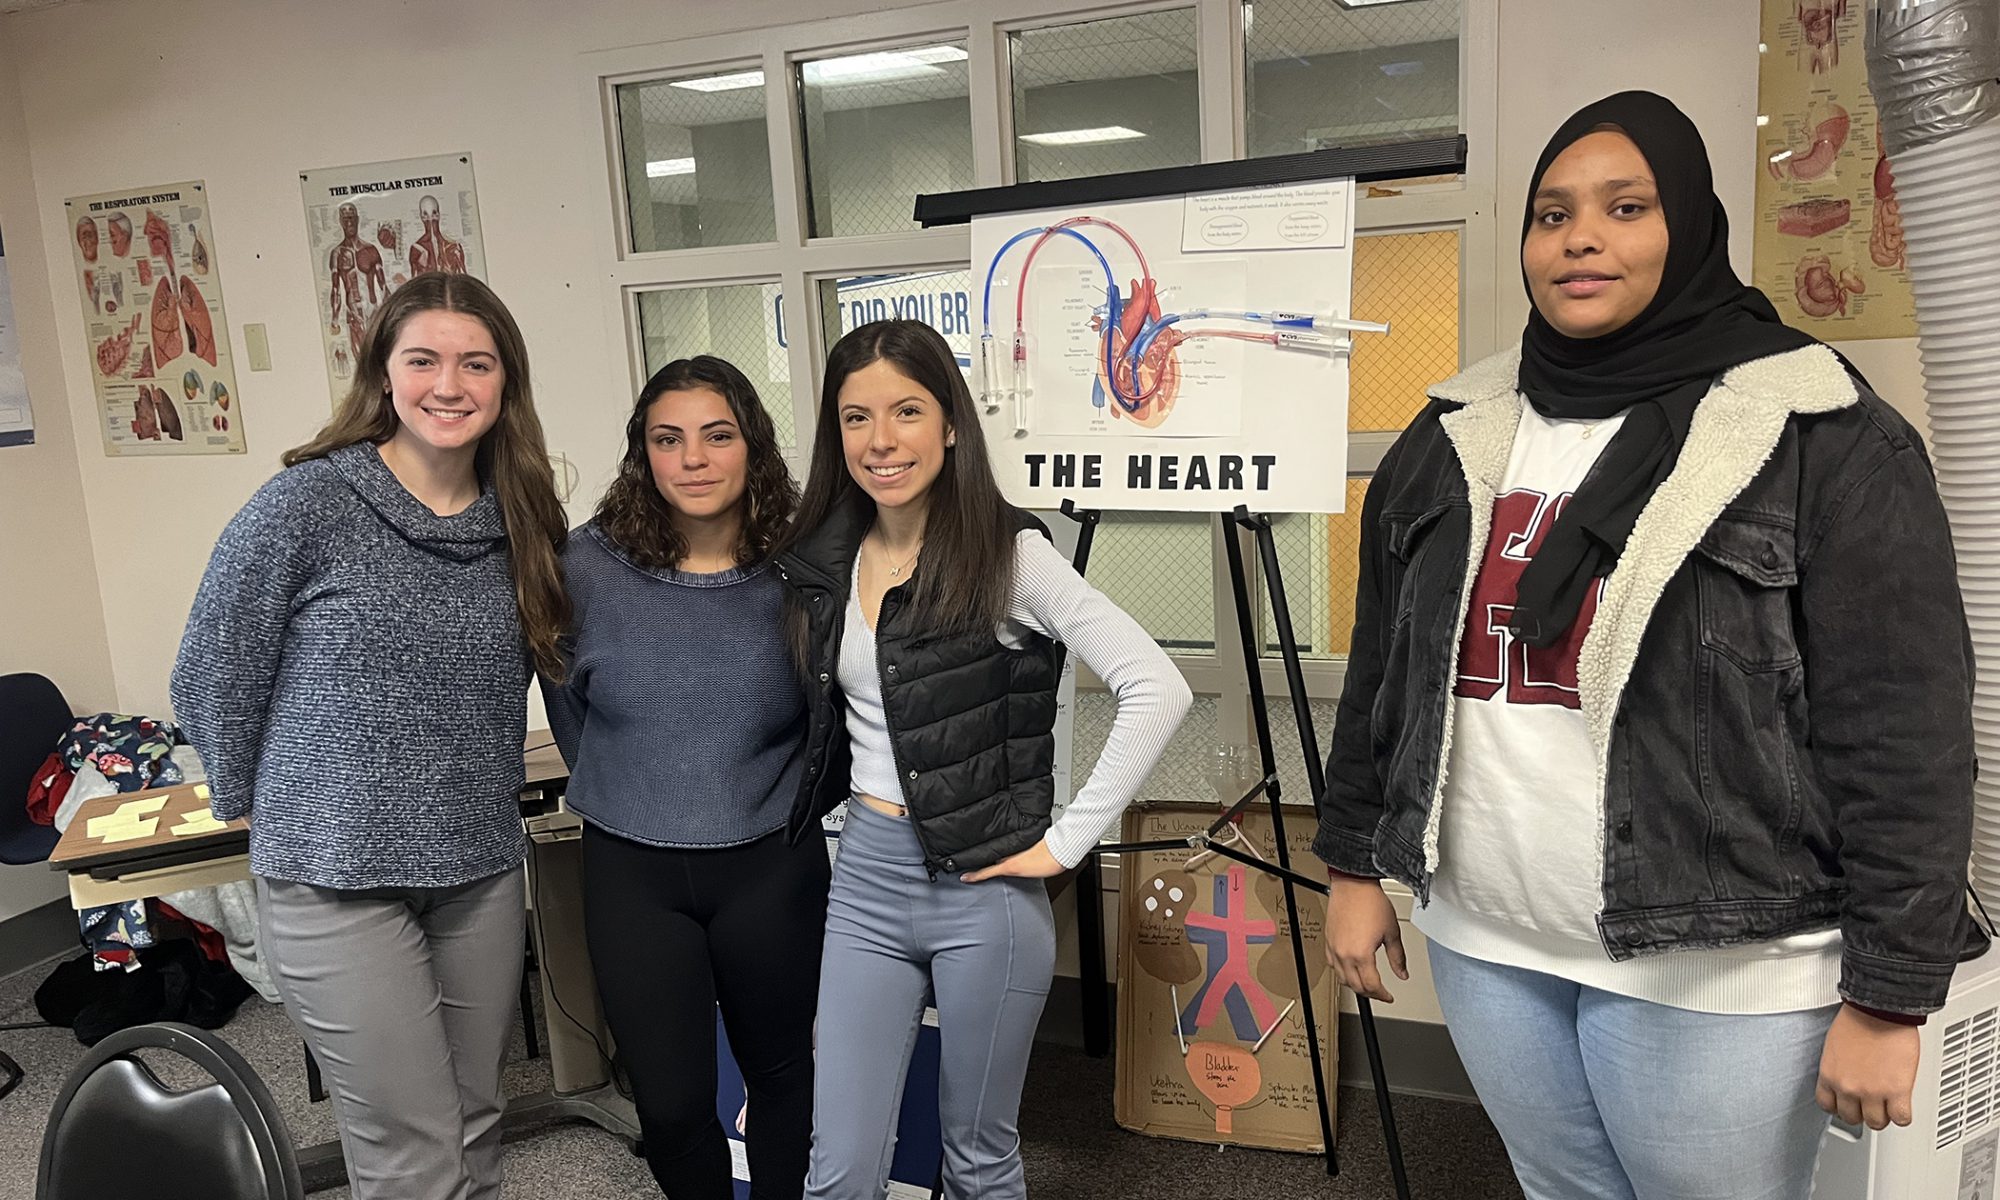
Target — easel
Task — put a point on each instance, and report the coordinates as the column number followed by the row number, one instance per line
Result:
column 1428, row 157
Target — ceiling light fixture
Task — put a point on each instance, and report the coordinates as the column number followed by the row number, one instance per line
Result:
column 1082, row 137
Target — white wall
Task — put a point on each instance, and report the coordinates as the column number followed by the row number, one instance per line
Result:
column 51, row 617
column 243, row 95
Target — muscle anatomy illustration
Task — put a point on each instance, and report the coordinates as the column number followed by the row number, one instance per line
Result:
column 1138, row 375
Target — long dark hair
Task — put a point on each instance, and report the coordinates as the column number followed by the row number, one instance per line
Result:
column 513, row 456
column 634, row 515
column 963, row 581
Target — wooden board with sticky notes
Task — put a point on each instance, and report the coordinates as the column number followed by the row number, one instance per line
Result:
column 128, row 825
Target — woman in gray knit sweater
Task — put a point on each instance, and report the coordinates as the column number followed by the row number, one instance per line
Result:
column 354, row 674
column 682, row 717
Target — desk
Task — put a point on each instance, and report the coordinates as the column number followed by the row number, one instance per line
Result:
column 137, row 845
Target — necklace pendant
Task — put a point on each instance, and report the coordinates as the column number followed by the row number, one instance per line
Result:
column 895, row 572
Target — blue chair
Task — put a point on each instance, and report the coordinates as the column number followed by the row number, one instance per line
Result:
column 118, row 1133
column 33, row 716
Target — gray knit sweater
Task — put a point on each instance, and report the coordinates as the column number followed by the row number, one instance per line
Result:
column 354, row 678
column 681, row 716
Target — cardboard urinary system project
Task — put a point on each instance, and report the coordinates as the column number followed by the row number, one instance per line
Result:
column 1211, row 1035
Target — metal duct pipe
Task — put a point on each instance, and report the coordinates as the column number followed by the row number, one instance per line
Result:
column 1934, row 67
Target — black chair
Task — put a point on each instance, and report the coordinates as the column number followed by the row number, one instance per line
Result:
column 118, row 1133
column 33, row 715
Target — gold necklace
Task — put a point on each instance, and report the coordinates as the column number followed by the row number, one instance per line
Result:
column 896, row 572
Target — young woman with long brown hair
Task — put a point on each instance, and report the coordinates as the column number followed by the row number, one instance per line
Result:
column 355, row 675
column 929, row 612
column 682, row 719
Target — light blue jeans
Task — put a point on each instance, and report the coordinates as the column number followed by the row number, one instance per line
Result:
column 987, row 950
column 1603, row 1097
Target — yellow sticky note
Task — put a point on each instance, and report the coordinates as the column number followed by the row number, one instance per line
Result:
column 201, row 792
column 131, row 831
column 99, row 826
column 127, row 813
column 198, row 822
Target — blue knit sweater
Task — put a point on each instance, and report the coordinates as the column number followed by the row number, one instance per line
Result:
column 681, row 715
column 354, row 678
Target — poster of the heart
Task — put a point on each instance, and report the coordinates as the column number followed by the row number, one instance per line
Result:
column 370, row 227
column 1829, row 229
column 152, row 309
column 1179, row 354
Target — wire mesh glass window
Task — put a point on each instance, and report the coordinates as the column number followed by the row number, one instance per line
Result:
column 697, row 161
column 940, row 299
column 740, row 322
column 880, row 129
column 1182, row 770
column 1318, row 74
column 1160, row 567
column 1410, row 280
column 1104, row 96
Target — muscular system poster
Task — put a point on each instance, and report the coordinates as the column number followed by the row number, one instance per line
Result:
column 151, row 285
column 1829, row 230
column 372, row 226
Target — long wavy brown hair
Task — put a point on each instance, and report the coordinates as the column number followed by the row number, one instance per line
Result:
column 967, row 572
column 512, row 456
column 639, row 519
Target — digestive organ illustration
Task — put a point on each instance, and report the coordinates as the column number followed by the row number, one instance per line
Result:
column 1885, row 238
column 1811, row 218
column 1138, row 371
column 1819, row 20
column 1829, row 127
column 1821, row 290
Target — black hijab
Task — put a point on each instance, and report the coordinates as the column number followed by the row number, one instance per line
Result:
column 1703, row 321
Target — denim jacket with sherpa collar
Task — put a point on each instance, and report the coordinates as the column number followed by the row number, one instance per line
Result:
column 1777, row 681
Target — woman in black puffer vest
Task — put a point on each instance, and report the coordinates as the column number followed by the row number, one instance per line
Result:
column 927, row 616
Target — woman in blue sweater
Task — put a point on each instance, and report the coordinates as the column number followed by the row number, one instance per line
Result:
column 355, row 676
column 682, row 719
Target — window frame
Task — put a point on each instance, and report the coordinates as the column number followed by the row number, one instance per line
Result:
column 798, row 261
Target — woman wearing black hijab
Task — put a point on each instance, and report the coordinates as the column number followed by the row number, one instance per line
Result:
column 1659, row 700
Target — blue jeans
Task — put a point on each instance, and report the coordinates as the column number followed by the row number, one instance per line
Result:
column 1603, row 1097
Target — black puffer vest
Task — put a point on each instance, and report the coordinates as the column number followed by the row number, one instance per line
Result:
column 971, row 722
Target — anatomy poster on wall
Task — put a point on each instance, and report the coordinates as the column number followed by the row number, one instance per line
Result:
column 17, row 420
column 371, row 227
column 1183, row 354
column 1829, row 230
column 152, row 305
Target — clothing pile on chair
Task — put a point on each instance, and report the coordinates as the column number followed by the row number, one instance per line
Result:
column 189, row 956
column 111, row 753
column 182, row 974
column 134, row 753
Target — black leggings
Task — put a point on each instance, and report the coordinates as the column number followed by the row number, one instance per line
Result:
column 671, row 934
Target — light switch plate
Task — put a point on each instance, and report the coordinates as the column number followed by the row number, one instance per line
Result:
column 258, row 345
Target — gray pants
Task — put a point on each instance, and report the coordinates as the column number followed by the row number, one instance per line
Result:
column 407, row 997
column 986, row 950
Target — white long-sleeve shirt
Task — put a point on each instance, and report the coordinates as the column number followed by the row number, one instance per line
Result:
column 1051, row 599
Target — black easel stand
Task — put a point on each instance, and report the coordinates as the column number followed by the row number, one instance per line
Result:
column 1096, row 1021
column 1435, row 156
column 1089, row 881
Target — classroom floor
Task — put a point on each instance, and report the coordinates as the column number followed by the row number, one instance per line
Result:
column 1072, row 1146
